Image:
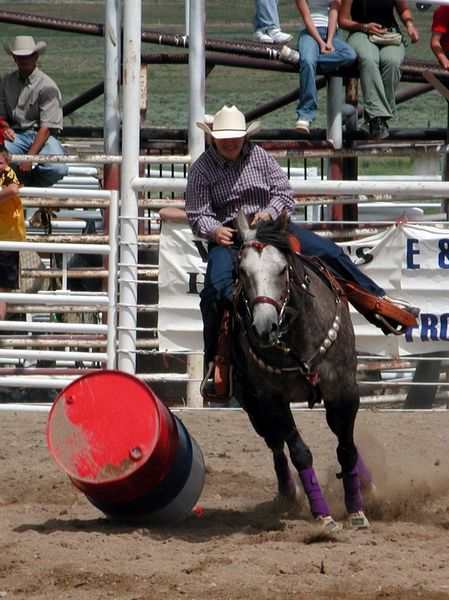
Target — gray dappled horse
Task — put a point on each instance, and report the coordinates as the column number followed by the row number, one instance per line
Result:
column 293, row 341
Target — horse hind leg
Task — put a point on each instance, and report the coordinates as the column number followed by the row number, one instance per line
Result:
column 353, row 469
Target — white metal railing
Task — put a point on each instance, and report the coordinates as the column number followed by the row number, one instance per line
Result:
column 106, row 302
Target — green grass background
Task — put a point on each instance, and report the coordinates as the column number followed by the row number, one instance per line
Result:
column 76, row 62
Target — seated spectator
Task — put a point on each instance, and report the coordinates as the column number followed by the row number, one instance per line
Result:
column 267, row 28
column 380, row 65
column 12, row 227
column 319, row 45
column 439, row 40
column 31, row 106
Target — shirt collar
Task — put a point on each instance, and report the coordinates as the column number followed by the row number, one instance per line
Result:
column 29, row 79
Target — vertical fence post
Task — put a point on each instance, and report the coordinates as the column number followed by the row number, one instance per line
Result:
column 130, row 170
column 197, row 77
column 112, row 281
column 334, row 132
column 112, row 91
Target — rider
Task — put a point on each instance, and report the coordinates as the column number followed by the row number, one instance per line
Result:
column 233, row 174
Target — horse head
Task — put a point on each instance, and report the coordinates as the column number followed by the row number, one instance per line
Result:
column 264, row 276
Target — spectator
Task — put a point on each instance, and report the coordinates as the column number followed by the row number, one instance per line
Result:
column 439, row 40
column 319, row 45
column 267, row 28
column 234, row 174
column 380, row 65
column 12, row 227
column 31, row 105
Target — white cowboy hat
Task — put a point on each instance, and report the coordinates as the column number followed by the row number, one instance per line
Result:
column 24, row 45
column 229, row 123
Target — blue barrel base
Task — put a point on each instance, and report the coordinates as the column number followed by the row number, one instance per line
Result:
column 173, row 498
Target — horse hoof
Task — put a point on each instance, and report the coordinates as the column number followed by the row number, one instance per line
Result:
column 328, row 525
column 357, row 520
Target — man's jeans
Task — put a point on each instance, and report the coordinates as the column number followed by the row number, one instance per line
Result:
column 309, row 59
column 267, row 15
column 42, row 175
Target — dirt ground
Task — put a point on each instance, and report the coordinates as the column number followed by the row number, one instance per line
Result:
column 55, row 545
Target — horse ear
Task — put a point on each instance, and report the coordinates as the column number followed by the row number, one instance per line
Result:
column 243, row 227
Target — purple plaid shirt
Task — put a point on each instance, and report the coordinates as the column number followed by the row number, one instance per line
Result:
column 217, row 188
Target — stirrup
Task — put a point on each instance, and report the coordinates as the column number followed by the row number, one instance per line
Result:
column 208, row 387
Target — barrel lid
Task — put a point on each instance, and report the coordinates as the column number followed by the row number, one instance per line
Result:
column 104, row 426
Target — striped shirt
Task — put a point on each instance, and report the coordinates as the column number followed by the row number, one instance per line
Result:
column 217, row 188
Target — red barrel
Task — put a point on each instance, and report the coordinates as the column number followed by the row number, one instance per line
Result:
column 122, row 447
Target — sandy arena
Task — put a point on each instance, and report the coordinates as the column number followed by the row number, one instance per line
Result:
column 56, row 545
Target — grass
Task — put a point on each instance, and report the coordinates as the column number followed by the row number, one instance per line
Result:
column 76, row 62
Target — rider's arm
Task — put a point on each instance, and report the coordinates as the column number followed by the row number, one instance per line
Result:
column 202, row 218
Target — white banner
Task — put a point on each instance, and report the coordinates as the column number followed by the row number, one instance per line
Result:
column 409, row 261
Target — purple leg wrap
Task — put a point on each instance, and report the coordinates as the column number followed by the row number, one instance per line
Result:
column 366, row 479
column 353, row 496
column 318, row 505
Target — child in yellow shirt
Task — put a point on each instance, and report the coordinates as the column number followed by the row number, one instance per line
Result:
column 12, row 227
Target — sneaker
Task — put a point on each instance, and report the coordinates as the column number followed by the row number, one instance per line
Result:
column 404, row 305
column 262, row 37
column 378, row 128
column 302, row 126
column 278, row 37
column 288, row 55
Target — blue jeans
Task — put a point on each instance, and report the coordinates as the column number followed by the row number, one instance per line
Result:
column 42, row 175
column 309, row 59
column 267, row 15
column 221, row 274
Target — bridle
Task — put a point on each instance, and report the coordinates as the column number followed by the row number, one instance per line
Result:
column 301, row 283
column 281, row 304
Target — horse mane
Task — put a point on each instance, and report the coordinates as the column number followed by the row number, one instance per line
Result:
column 269, row 232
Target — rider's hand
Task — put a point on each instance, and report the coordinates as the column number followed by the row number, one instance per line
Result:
column 224, row 236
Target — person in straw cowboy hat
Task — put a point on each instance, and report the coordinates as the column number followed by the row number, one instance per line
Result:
column 31, row 110
column 232, row 174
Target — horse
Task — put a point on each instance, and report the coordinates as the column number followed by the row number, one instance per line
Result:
column 293, row 341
